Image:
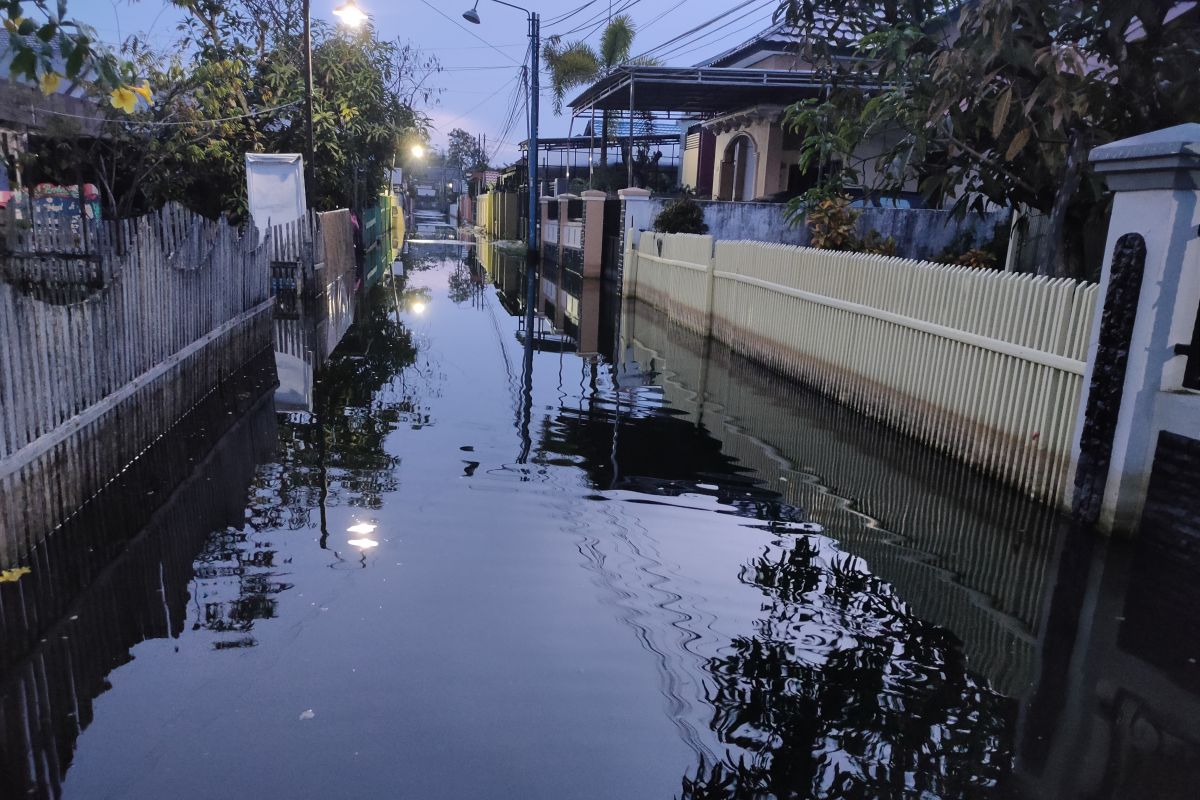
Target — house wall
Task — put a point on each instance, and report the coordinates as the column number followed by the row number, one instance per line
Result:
column 867, row 154
column 768, row 144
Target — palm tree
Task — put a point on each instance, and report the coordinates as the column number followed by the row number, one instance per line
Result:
column 576, row 63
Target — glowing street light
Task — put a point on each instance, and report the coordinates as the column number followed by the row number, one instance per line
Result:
column 417, row 151
column 350, row 14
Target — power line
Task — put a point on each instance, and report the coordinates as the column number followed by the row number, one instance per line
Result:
column 157, row 124
column 694, row 44
column 468, row 30
column 597, row 21
column 499, row 89
column 660, row 16
column 564, row 17
column 700, row 27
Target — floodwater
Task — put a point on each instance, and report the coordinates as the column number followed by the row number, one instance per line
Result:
column 620, row 564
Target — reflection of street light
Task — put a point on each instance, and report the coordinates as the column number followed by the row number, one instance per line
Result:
column 350, row 14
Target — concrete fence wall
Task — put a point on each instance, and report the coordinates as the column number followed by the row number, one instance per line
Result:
column 983, row 365
column 918, row 232
column 498, row 214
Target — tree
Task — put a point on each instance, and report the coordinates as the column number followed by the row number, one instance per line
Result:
column 1003, row 106
column 241, row 90
column 576, row 63
column 49, row 46
column 465, row 151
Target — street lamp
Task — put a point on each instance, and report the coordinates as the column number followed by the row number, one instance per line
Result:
column 350, row 14
column 417, row 151
column 535, row 28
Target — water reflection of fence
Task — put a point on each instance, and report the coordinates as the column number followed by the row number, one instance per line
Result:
column 94, row 349
column 986, row 366
column 964, row 551
column 56, row 665
column 314, row 275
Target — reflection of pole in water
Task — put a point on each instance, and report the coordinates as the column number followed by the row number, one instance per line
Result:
column 527, row 367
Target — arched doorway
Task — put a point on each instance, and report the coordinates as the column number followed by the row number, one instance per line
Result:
column 739, row 167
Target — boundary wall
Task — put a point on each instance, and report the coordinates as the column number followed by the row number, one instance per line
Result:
column 985, row 366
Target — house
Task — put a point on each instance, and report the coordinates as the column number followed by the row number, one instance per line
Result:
column 729, row 111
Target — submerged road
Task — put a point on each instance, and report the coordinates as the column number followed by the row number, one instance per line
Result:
column 644, row 569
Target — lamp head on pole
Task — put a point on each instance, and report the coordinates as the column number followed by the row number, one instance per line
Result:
column 350, row 14
column 472, row 13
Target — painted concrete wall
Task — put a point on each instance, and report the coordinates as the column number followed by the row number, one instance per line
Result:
column 919, row 233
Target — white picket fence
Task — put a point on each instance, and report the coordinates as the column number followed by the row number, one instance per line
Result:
column 984, row 365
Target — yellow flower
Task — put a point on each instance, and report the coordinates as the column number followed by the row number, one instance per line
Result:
column 123, row 98
column 13, row 575
column 49, row 82
column 144, row 92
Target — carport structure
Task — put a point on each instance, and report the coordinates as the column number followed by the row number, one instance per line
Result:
column 702, row 94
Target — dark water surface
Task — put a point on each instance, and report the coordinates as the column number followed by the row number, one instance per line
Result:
column 641, row 568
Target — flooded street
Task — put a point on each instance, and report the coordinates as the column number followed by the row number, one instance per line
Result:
column 635, row 566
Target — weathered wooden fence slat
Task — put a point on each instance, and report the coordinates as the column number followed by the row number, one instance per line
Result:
column 97, row 360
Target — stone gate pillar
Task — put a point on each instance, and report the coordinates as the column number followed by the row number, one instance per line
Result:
column 1142, row 337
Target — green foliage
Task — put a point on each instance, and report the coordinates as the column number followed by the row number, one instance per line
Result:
column 48, row 43
column 577, row 63
column 832, row 222
column 1005, row 111
column 683, row 215
column 967, row 250
column 465, row 152
column 242, row 90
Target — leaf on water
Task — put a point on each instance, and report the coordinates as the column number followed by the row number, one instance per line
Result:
column 307, row 714
column 13, row 575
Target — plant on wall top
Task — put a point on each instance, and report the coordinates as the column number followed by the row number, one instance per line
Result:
column 683, row 215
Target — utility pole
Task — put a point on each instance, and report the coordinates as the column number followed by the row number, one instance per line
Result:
column 309, row 148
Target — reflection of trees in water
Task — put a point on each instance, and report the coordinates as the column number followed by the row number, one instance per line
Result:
column 841, row 692
column 334, row 456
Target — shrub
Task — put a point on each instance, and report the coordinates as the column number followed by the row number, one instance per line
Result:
column 831, row 224
column 681, row 216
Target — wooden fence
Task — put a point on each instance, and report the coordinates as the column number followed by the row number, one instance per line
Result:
column 104, row 346
column 983, row 365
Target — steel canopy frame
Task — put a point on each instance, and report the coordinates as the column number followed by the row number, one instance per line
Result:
column 701, row 91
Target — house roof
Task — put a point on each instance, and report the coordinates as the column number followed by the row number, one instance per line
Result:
column 695, row 91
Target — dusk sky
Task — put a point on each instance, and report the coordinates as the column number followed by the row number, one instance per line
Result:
column 480, row 74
